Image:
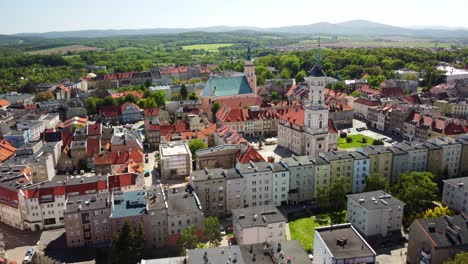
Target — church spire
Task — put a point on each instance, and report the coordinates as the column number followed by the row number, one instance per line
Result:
column 249, row 52
column 318, row 58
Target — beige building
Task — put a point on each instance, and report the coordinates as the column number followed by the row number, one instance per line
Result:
column 436, row 240
column 434, row 158
column 235, row 190
column 301, row 178
column 86, row 220
column 455, row 194
column 341, row 165
column 258, row 224
column 176, row 160
column 453, row 109
column 380, row 160
column 451, row 153
column 210, row 185
column 222, row 156
column 375, row 213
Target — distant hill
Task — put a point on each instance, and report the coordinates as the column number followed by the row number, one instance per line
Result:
column 353, row 27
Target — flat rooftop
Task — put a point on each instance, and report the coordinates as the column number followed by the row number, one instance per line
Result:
column 458, row 182
column 355, row 246
column 172, row 149
column 128, row 204
column 258, row 216
column 375, row 200
column 87, row 202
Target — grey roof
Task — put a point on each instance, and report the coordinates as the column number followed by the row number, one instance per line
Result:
column 253, row 167
column 174, row 260
column 446, row 231
column 443, row 141
column 216, row 255
column 208, row 174
column 336, row 155
column 78, row 144
column 316, row 71
column 87, row 202
column 258, row 216
column 291, row 249
column 431, row 146
column 463, row 140
column 375, row 200
column 358, row 155
column 232, row 174
column 155, row 197
column 408, row 146
column 397, row 151
column 181, row 202
column 277, row 167
column 355, row 246
column 214, row 150
column 459, row 182
column 374, row 150
column 294, row 161
column 320, row 161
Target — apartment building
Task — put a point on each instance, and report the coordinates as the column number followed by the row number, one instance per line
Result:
column 437, row 240
column 341, row 165
column 417, row 155
column 341, row 244
column 210, row 185
column 375, row 213
column 258, row 224
column 258, row 183
column 322, row 177
column 361, row 169
column 301, row 178
column 380, row 160
column 152, row 127
column 86, row 220
column 235, row 190
column 455, row 194
column 157, row 212
column 399, row 163
column 280, row 184
column 434, row 158
column 463, row 140
column 451, row 153
column 176, row 160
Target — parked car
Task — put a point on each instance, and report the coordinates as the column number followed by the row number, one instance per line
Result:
column 75, row 172
column 147, row 173
column 81, row 172
column 28, row 255
column 93, row 170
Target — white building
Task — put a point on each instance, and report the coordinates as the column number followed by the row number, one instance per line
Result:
column 375, row 213
column 280, row 184
column 258, row 183
column 361, row 171
column 451, row 153
column 50, row 120
column 417, row 155
column 452, row 73
column 235, row 190
column 301, row 178
column 35, row 128
column 455, row 194
column 176, row 160
column 258, row 224
column 341, row 244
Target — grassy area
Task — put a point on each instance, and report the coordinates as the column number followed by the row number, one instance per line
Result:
column 208, row 47
column 62, row 50
column 356, row 143
column 302, row 229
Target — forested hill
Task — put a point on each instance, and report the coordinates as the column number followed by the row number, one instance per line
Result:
column 354, row 27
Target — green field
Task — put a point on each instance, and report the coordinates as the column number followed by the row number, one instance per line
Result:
column 62, row 50
column 208, row 47
column 356, row 143
column 303, row 230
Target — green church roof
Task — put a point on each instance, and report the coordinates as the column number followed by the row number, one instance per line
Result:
column 226, row 86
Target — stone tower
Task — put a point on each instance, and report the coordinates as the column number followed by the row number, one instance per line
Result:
column 316, row 112
column 249, row 71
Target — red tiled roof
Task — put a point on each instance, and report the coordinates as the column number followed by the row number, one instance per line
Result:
column 241, row 102
column 6, row 150
column 412, row 99
column 391, row 91
column 291, row 90
column 94, row 129
column 122, row 180
column 229, row 135
column 331, row 127
column 295, row 116
column 64, row 88
column 366, row 89
column 4, row 103
column 82, row 121
column 138, row 95
column 93, row 145
column 110, row 111
column 127, row 104
column 152, row 112
column 121, row 75
column 250, row 155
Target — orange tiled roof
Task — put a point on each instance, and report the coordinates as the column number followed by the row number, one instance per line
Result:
column 4, row 103
column 250, row 154
column 6, row 150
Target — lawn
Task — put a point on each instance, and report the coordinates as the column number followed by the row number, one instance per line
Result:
column 356, row 143
column 62, row 50
column 303, row 229
column 208, row 47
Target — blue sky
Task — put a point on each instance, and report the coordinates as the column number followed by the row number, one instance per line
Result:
column 60, row 15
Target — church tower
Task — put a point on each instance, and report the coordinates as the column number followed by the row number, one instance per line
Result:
column 249, row 71
column 316, row 112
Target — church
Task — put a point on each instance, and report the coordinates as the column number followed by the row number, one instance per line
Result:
column 231, row 85
column 309, row 131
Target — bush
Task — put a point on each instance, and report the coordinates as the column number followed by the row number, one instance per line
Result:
column 364, row 140
column 377, row 142
column 349, row 140
column 343, row 134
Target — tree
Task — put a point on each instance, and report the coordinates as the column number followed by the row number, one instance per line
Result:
column 122, row 246
column 195, row 145
column 349, row 140
column 183, row 91
column 109, row 101
column 378, row 142
column 300, row 76
column 130, row 98
column 215, row 107
column 339, row 86
column 416, row 190
column 193, row 97
column 436, row 212
column 334, row 197
column 212, row 230
column 375, row 183
column 148, row 83
column 160, row 98
column 43, row 96
column 364, row 140
column 188, row 239
column 460, row 258
column 275, row 96
column 285, row 74
column 139, row 242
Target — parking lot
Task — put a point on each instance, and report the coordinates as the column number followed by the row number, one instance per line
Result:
column 375, row 134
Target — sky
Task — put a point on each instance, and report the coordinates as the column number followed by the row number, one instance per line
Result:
column 20, row 16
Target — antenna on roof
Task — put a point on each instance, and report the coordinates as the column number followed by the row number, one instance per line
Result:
column 318, row 58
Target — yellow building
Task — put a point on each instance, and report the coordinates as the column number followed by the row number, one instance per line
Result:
column 380, row 160
column 321, row 174
column 341, row 164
